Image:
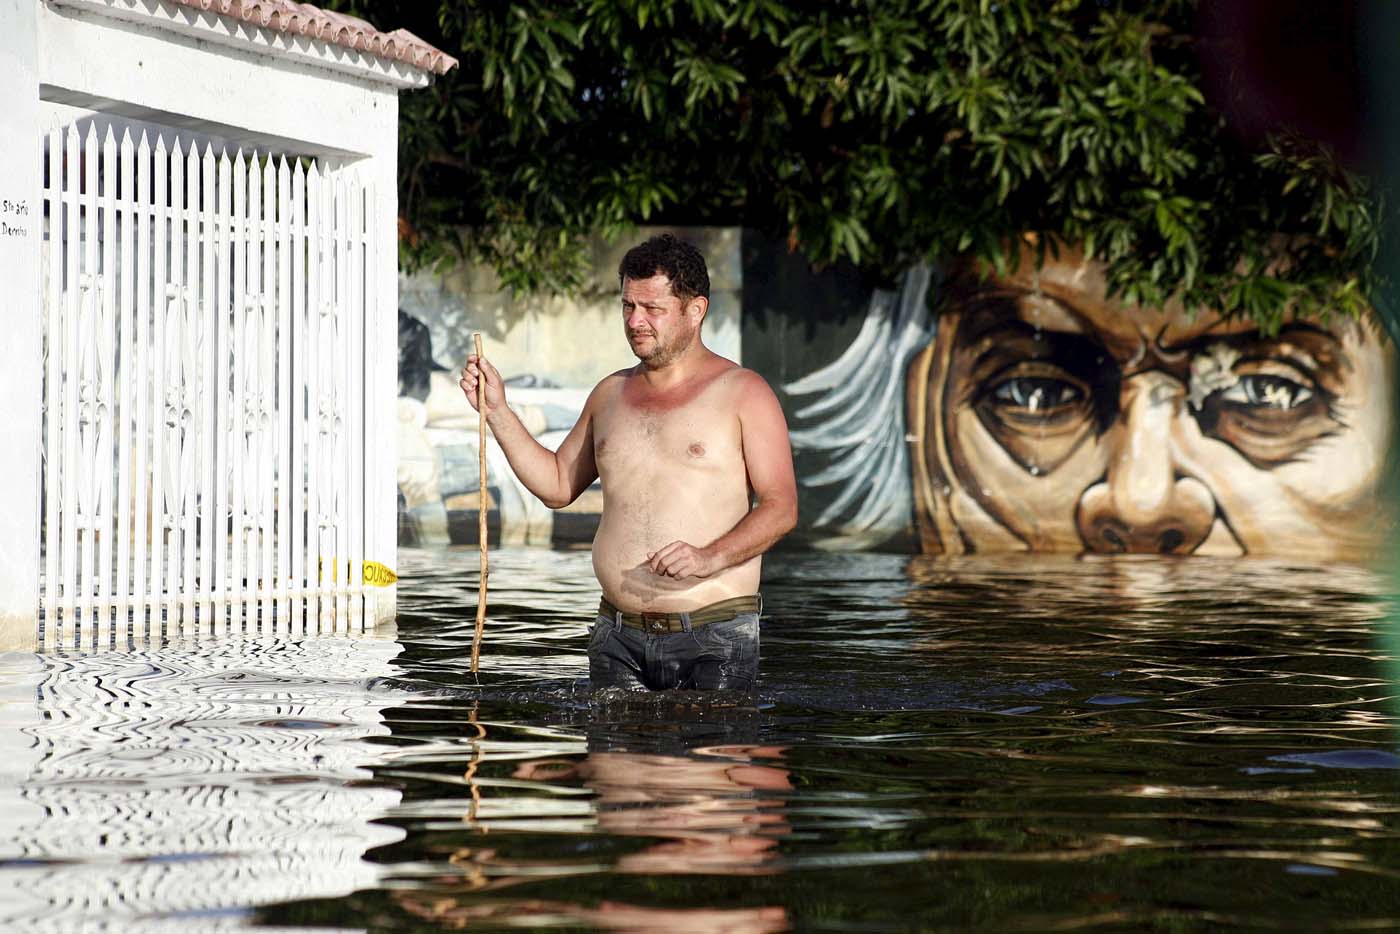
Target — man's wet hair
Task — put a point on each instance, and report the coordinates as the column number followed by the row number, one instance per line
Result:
column 671, row 257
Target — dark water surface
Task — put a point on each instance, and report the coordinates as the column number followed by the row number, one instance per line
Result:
column 1006, row 744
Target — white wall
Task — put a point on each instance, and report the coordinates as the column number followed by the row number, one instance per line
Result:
column 21, row 218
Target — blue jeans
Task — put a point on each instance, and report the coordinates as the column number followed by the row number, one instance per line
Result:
column 721, row 656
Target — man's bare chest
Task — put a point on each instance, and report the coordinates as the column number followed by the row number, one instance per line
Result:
column 629, row 439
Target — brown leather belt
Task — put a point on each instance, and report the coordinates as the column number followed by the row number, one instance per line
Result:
column 672, row 622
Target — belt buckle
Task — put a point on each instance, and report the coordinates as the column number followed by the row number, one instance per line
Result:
column 655, row 622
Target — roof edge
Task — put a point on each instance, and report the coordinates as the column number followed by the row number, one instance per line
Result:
column 381, row 58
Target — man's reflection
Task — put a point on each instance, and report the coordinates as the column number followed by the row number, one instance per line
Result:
column 450, row 913
column 714, row 809
column 718, row 811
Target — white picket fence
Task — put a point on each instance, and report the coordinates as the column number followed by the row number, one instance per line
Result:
column 205, row 401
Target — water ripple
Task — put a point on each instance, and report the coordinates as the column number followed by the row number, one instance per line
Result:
column 1003, row 744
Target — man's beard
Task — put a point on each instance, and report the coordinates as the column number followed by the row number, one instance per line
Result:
column 662, row 353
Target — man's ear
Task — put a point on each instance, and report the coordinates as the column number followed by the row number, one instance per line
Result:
column 697, row 307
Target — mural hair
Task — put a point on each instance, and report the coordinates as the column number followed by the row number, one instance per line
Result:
column 854, row 420
column 671, row 257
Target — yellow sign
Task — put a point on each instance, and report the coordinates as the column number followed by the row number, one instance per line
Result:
column 376, row 574
column 379, row 575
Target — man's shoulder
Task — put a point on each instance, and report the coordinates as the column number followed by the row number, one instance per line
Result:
column 617, row 376
column 610, row 383
column 745, row 375
column 725, row 371
column 744, row 380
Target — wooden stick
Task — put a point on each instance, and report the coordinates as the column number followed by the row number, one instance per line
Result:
column 481, row 503
column 472, row 766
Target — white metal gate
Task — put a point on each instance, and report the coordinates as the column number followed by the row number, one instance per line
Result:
column 205, row 391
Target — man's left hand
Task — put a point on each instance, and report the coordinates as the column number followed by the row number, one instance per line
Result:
column 679, row 560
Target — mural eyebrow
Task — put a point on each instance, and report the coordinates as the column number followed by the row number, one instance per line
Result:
column 986, row 309
column 993, row 311
column 1254, row 337
column 1308, row 328
column 1296, row 357
column 997, row 332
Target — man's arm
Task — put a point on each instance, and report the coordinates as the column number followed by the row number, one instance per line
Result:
column 768, row 460
column 556, row 477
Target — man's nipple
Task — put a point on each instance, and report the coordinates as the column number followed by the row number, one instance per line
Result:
column 696, row 449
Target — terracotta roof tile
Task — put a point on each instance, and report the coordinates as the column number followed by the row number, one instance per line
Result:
column 303, row 19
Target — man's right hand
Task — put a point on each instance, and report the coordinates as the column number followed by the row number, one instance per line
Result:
column 479, row 373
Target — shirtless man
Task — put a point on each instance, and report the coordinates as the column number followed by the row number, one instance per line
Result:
column 684, row 442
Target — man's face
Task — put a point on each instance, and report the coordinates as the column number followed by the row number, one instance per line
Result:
column 659, row 326
column 1056, row 420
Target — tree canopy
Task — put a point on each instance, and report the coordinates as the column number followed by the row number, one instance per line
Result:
column 882, row 132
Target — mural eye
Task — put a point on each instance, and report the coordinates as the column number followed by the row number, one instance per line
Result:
column 1037, row 412
column 1271, row 414
column 1267, row 392
column 1035, row 394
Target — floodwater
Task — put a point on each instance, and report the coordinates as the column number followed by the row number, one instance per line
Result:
column 1007, row 744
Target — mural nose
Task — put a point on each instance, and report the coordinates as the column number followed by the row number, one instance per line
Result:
column 1178, row 525
column 1144, row 505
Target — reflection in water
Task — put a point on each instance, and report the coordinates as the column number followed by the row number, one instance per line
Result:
column 711, row 814
column 716, row 811
column 447, row 913
column 951, row 744
column 200, row 779
column 977, row 742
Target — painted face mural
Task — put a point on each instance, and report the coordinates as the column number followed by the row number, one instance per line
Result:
column 1045, row 417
